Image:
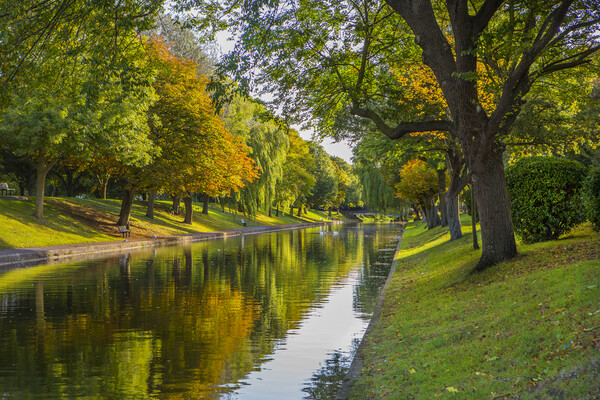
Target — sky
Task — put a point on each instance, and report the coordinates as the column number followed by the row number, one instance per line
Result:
column 340, row 149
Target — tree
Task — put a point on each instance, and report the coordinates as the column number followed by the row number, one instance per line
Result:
column 350, row 191
column 98, row 29
column 418, row 183
column 269, row 144
column 346, row 49
column 342, row 170
column 326, row 186
column 297, row 181
column 377, row 161
column 197, row 152
column 75, row 105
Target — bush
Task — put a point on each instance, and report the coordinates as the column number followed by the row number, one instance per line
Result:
column 546, row 197
column 592, row 197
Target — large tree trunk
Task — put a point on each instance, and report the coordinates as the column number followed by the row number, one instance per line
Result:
column 189, row 210
column 176, row 209
column 299, row 214
column 493, row 205
column 42, row 169
column 150, row 209
column 441, row 174
column 205, row 204
column 277, row 211
column 126, row 205
column 431, row 215
column 453, row 216
column 292, row 210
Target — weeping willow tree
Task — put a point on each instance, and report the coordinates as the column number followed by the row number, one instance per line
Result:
column 269, row 144
column 378, row 194
column 378, row 178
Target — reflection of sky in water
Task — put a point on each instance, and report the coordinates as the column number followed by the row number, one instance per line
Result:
column 330, row 327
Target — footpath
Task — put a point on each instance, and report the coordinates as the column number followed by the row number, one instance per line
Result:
column 17, row 258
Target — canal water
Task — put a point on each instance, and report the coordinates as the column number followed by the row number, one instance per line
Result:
column 269, row 316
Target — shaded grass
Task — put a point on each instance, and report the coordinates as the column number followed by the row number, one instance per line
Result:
column 527, row 328
column 73, row 220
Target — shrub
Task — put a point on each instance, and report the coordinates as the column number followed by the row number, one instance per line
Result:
column 592, row 197
column 546, row 196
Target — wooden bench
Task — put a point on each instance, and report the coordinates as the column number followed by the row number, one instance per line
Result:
column 4, row 189
column 123, row 230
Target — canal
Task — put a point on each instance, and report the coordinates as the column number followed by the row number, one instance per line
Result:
column 269, row 316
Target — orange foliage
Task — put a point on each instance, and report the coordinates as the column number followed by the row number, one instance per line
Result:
column 198, row 153
column 418, row 182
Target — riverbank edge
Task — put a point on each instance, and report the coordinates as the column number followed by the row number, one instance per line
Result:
column 357, row 362
column 27, row 257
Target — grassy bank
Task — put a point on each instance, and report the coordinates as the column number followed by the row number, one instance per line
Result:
column 525, row 329
column 72, row 220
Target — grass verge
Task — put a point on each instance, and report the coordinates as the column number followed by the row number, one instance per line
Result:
column 73, row 220
column 525, row 329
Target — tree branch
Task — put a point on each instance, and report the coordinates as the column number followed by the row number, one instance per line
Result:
column 402, row 128
column 563, row 64
column 483, row 16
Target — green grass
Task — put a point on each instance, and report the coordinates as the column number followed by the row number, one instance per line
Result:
column 527, row 328
column 21, row 229
column 72, row 220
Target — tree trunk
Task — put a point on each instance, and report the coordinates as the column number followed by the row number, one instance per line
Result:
column 489, row 186
column 453, row 215
column 176, row 209
column 150, row 209
column 474, row 220
column 431, row 215
column 104, row 188
column 205, row 204
column 103, row 183
column 189, row 210
column 459, row 178
column 441, row 174
column 270, row 211
column 292, row 210
column 277, row 211
column 330, row 212
column 126, row 205
column 417, row 214
column 42, row 169
column 299, row 214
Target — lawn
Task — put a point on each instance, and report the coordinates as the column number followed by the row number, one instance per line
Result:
column 525, row 329
column 73, row 220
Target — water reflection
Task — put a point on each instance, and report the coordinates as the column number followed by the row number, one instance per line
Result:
column 244, row 318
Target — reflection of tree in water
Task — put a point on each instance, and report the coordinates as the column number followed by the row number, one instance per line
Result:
column 182, row 323
column 325, row 383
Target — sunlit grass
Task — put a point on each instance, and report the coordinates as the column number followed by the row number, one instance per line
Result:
column 20, row 229
column 513, row 330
